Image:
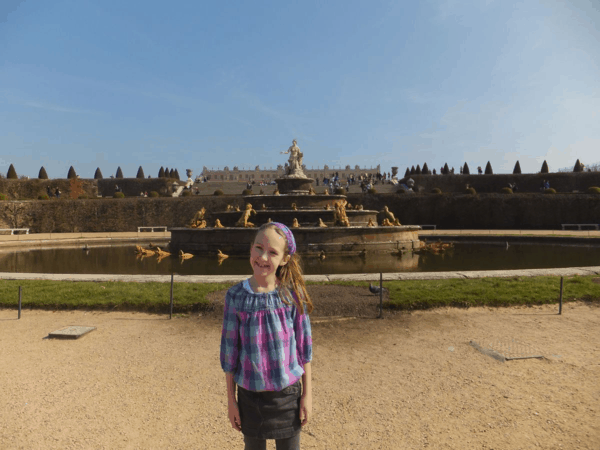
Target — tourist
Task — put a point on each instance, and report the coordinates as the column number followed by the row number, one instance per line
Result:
column 479, row 170
column 266, row 344
column 57, row 193
column 49, row 192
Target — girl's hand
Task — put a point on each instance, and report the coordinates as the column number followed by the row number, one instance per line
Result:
column 234, row 415
column 305, row 408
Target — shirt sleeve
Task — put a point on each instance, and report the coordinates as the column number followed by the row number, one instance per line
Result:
column 303, row 338
column 229, row 337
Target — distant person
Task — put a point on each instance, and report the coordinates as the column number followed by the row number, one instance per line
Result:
column 57, row 193
column 49, row 192
column 479, row 170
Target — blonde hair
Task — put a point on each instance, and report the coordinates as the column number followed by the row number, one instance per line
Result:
column 291, row 281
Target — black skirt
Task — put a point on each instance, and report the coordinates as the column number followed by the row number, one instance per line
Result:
column 270, row 414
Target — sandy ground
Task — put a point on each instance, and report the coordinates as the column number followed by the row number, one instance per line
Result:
column 411, row 380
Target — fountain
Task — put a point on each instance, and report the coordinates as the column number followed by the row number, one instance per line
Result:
column 320, row 222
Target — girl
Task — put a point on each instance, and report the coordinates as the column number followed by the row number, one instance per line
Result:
column 266, row 344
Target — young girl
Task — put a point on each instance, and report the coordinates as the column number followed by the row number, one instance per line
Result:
column 266, row 344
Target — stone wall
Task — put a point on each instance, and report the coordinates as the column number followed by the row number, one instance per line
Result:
column 447, row 211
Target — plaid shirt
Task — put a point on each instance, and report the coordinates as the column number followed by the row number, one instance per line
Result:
column 264, row 343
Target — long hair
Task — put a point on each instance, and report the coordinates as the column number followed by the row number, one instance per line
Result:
column 291, row 281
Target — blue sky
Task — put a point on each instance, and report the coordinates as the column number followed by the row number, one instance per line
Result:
column 108, row 83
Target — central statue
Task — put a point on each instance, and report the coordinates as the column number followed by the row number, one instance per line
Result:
column 293, row 168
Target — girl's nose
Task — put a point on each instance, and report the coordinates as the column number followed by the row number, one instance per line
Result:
column 264, row 256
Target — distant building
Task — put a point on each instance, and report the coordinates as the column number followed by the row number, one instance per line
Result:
column 267, row 175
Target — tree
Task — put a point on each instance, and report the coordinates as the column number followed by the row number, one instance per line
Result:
column 161, row 172
column 425, row 169
column 98, row 174
column 167, row 172
column 12, row 173
column 119, row 173
column 412, row 170
column 446, row 170
column 71, row 175
column 545, row 167
column 43, row 175
column 517, row 169
column 407, row 173
column 140, row 173
column 176, row 174
column 488, row 169
column 171, row 173
column 578, row 167
column 466, row 169
column 418, row 170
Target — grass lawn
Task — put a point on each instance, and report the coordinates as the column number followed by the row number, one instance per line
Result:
column 404, row 295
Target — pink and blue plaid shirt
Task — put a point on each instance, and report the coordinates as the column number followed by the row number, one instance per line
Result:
column 264, row 343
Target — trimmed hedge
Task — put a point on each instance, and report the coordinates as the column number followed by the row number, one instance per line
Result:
column 218, row 192
column 471, row 191
column 506, row 190
column 593, row 190
column 119, row 195
column 153, row 194
column 550, row 191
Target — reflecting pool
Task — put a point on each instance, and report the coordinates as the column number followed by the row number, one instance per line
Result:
column 464, row 256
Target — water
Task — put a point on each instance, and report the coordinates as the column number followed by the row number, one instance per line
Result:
column 464, row 256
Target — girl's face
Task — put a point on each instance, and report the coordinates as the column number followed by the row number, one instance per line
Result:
column 268, row 253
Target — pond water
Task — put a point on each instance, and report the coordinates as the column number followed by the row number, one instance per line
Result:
column 464, row 256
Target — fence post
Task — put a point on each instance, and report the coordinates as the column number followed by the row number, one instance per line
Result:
column 171, row 308
column 380, row 296
column 560, row 298
column 20, row 298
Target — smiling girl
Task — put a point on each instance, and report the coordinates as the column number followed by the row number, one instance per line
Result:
column 266, row 344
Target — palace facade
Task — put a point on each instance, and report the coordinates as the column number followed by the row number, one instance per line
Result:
column 267, row 175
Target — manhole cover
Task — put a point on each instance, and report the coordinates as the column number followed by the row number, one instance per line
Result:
column 506, row 350
column 71, row 332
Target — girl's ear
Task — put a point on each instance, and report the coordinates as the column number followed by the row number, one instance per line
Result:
column 285, row 260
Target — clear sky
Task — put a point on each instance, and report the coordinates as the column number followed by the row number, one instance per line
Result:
column 187, row 84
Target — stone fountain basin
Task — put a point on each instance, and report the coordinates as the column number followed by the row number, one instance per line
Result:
column 305, row 217
column 309, row 240
column 285, row 201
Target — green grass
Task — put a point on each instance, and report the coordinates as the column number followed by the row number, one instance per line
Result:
column 423, row 294
column 150, row 297
column 404, row 295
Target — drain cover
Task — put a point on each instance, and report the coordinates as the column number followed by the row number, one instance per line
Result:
column 71, row 332
column 506, row 350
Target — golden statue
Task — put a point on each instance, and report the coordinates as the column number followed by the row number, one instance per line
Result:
column 339, row 216
column 269, row 220
column 371, row 223
column 321, row 223
column 263, row 207
column 295, row 224
column 294, row 207
column 397, row 222
column 144, row 251
column 243, row 221
column 311, row 191
column 327, row 207
column 183, row 255
column 161, row 253
column 229, row 208
column 276, row 192
column 198, row 219
column 237, row 208
column 218, row 224
column 349, row 206
column 388, row 214
column 221, row 256
column 326, row 191
column 358, row 207
column 386, row 223
column 322, row 255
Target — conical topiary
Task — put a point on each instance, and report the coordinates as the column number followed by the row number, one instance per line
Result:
column 98, row 174
column 425, row 169
column 43, row 175
column 71, row 175
column 446, row 170
column 517, row 169
column 176, row 174
column 545, row 167
column 167, row 173
column 407, row 173
column 412, row 170
column 171, row 173
column 578, row 167
column 12, row 173
column 418, row 170
column 466, row 169
column 161, row 172
column 119, row 173
column 488, row 169
column 140, row 173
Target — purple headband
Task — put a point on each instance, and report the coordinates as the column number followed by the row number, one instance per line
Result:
column 288, row 235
